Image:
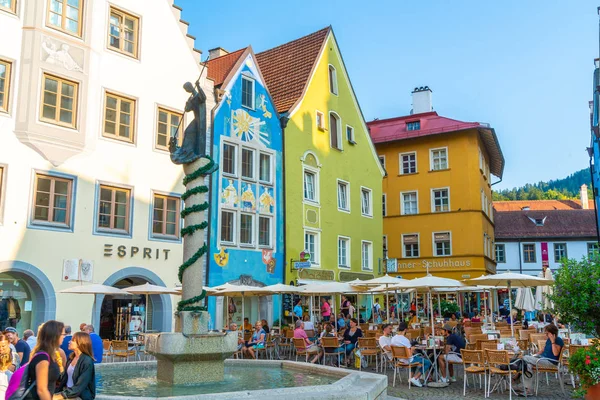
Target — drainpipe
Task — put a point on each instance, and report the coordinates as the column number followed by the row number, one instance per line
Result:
column 594, row 192
column 520, row 261
column 283, row 121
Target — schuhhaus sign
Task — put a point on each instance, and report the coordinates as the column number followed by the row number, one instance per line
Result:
column 394, row 265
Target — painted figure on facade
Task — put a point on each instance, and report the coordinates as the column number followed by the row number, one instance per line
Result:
column 194, row 137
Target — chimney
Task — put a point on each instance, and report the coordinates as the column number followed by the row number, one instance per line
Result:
column 217, row 52
column 584, row 197
column 421, row 100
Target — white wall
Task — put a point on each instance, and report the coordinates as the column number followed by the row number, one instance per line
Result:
column 166, row 62
column 575, row 249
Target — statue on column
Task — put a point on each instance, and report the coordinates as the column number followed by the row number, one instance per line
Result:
column 194, row 137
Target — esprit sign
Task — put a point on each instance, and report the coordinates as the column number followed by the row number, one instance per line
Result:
column 436, row 263
column 134, row 251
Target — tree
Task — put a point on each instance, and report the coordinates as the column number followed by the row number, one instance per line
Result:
column 576, row 294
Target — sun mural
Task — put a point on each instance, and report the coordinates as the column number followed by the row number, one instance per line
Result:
column 248, row 128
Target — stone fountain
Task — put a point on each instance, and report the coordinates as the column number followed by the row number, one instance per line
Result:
column 191, row 354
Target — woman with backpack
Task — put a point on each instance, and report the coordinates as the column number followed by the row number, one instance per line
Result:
column 5, row 363
column 45, row 365
column 80, row 379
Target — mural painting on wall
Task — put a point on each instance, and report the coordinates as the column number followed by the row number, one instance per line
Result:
column 248, row 197
column 248, row 128
column 222, row 257
column 229, row 194
column 266, row 200
column 268, row 260
column 262, row 105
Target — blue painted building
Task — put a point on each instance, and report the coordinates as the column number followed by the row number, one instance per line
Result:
column 246, row 215
column 594, row 149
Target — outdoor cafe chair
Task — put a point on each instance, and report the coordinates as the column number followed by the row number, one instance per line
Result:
column 524, row 334
column 300, row 346
column 368, row 348
column 534, row 337
column 107, row 350
column 371, row 334
column 567, row 353
column 413, row 334
column 489, row 344
column 310, row 333
column 264, row 349
column 285, row 344
column 497, row 359
column 474, row 364
column 120, row 348
column 545, row 368
column 364, row 327
column 400, row 356
column 523, row 344
column 334, row 344
column 475, row 338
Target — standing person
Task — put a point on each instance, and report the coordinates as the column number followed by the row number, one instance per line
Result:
column 345, row 307
column 413, row 305
column 325, row 310
column 45, row 366
column 80, row 380
column 454, row 344
column 21, row 347
column 97, row 346
column 5, row 364
column 298, row 310
column 65, row 343
column 400, row 340
column 29, row 338
column 376, row 310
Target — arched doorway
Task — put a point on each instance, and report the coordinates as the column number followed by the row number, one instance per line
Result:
column 27, row 298
column 116, row 316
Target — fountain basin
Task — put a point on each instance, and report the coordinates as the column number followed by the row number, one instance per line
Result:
column 244, row 379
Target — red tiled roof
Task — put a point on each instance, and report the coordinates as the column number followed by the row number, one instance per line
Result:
column 287, row 68
column 394, row 129
column 537, row 205
column 218, row 68
column 558, row 224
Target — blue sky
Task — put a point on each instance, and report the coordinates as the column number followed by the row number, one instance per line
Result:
column 525, row 67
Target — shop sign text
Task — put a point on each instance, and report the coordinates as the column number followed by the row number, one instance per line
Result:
column 123, row 251
column 435, row 263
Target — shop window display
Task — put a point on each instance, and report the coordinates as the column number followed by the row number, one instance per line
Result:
column 16, row 303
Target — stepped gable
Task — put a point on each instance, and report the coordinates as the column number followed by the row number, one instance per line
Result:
column 287, row 68
column 183, row 27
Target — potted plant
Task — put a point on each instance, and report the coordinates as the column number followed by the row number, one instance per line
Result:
column 576, row 301
column 585, row 363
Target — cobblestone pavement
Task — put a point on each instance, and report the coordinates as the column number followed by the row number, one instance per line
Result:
column 455, row 390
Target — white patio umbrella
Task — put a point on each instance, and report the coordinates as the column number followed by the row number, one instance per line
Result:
column 95, row 289
column 386, row 281
column 281, row 289
column 539, row 298
column 510, row 279
column 148, row 289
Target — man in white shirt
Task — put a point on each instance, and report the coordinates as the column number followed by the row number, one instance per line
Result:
column 385, row 340
column 402, row 341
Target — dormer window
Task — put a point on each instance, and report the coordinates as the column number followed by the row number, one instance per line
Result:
column 413, row 125
column 538, row 221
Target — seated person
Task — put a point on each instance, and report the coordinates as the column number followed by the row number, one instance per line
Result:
column 351, row 336
column 308, row 325
column 454, row 344
column 256, row 342
column 233, row 328
column 341, row 322
column 401, row 340
column 311, row 348
column 385, row 340
column 412, row 319
column 329, row 332
column 546, row 357
column 265, row 326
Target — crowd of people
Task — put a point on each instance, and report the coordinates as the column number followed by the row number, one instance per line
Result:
column 55, row 364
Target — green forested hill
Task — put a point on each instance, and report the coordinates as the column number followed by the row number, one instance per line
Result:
column 559, row 189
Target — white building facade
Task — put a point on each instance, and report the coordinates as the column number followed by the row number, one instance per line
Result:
column 90, row 92
column 526, row 240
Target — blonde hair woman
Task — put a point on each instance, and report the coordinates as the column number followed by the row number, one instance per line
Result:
column 5, row 363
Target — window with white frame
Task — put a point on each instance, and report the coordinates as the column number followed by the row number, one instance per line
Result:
column 560, row 251
column 410, row 246
column 442, row 244
column 592, row 250
column 343, row 252
column 165, row 216
column 333, row 87
column 366, row 201
column 320, row 120
column 382, row 161
column 265, row 237
column 311, row 243
column 247, row 92
column 227, row 226
column 413, row 125
column 246, row 229
column 350, row 134
column 367, row 256
column 439, row 159
column 310, row 185
column 529, row 253
column 408, row 163
column 343, row 200
column 335, row 131
column 5, row 69
column 247, row 163
column 114, row 209
column 384, row 204
column 500, row 253
column 8, row 5
column 52, row 200
column 440, row 200
column 229, row 159
column 409, row 203
column 264, row 168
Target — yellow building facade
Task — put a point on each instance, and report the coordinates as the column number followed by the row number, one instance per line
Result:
column 437, row 195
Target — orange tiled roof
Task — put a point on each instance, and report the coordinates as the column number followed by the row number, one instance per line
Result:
column 540, row 205
column 219, row 68
column 287, row 68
